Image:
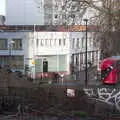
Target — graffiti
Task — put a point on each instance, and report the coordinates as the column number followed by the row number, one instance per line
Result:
column 107, row 95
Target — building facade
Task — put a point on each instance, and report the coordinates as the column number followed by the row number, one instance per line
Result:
column 46, row 51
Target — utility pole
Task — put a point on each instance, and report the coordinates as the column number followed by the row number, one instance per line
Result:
column 86, row 70
column 10, row 51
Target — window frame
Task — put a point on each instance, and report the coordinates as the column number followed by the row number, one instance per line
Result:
column 5, row 44
column 15, row 45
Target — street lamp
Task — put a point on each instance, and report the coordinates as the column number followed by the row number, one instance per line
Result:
column 86, row 70
column 10, row 51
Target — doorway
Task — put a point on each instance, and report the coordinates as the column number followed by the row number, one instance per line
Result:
column 45, row 66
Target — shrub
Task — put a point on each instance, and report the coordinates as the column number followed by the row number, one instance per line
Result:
column 80, row 114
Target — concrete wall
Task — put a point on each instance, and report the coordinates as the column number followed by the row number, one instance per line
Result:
column 24, row 12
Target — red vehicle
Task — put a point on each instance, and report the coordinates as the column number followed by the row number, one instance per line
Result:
column 110, row 70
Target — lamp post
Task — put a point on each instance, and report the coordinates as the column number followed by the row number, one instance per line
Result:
column 86, row 70
column 10, row 51
column 33, row 56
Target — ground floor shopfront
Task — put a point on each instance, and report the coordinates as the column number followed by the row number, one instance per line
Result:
column 64, row 64
column 49, row 64
column 46, row 65
column 15, row 62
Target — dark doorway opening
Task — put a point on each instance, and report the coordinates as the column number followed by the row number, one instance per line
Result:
column 45, row 66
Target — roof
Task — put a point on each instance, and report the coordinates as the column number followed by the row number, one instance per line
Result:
column 58, row 28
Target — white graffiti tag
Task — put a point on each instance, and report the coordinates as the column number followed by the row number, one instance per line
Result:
column 107, row 95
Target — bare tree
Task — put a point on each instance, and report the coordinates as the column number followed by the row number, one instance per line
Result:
column 108, row 20
column 72, row 12
column 62, row 12
column 106, row 16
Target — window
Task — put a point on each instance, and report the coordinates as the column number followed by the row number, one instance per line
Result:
column 72, row 59
column 4, row 60
column 59, row 42
column 90, row 41
column 77, row 59
column 93, row 57
column 77, row 43
column 17, row 45
column 3, row 44
column 89, row 56
column 81, row 58
column 73, row 42
column 17, row 62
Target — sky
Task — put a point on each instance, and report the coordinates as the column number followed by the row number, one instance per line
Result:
column 2, row 7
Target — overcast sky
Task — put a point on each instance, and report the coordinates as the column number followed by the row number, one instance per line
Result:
column 2, row 7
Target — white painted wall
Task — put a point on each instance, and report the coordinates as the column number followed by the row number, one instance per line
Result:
column 53, row 48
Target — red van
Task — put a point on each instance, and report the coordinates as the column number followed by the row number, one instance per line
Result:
column 110, row 70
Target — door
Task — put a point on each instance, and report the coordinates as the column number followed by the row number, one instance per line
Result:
column 45, row 66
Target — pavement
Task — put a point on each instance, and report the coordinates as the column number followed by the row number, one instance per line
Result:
column 93, row 81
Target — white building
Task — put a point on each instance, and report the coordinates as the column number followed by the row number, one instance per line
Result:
column 46, row 52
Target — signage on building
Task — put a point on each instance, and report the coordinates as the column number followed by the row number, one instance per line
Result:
column 77, row 28
column 33, row 62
